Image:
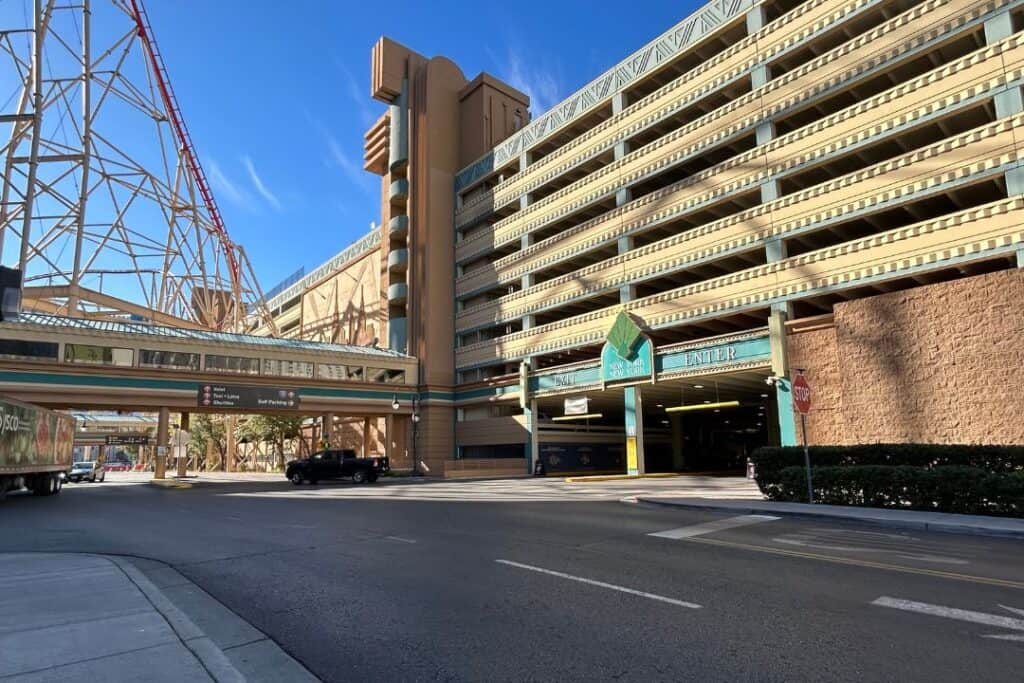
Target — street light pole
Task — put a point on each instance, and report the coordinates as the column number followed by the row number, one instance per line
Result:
column 415, row 432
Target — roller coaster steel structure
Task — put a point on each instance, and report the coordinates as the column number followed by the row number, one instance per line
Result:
column 104, row 204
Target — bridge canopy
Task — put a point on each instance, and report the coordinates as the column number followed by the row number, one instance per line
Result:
column 102, row 364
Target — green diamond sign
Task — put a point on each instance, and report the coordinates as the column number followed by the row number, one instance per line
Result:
column 624, row 336
column 627, row 353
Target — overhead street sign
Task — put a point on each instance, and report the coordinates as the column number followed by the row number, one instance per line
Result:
column 127, row 440
column 229, row 396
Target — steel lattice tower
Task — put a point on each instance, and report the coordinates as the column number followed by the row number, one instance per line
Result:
column 104, row 204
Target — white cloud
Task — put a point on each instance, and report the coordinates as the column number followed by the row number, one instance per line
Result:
column 543, row 86
column 257, row 182
column 349, row 166
column 225, row 187
column 360, row 98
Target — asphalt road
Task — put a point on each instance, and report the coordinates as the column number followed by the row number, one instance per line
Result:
column 401, row 582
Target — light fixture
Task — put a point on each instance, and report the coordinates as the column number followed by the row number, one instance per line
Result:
column 708, row 401
column 698, row 386
column 394, row 402
column 764, row 395
column 567, row 418
column 707, row 405
column 415, row 417
column 659, row 405
column 717, row 410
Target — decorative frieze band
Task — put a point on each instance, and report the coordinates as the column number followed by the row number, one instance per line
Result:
column 661, row 50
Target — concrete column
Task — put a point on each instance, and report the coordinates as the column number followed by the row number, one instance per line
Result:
column 756, row 20
column 525, row 159
column 634, row 431
column 232, row 445
column 1009, row 101
column 619, row 102
column 626, row 292
column 528, row 279
column 775, row 250
column 1020, row 257
column 396, row 442
column 162, row 438
column 367, row 438
column 780, row 368
column 327, row 429
column 533, row 442
column 678, row 454
column 181, row 454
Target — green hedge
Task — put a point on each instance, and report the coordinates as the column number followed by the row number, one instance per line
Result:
column 957, row 478
column 941, row 489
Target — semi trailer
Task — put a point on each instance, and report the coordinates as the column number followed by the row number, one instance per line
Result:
column 36, row 446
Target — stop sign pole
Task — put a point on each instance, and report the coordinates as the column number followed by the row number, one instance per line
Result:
column 802, row 401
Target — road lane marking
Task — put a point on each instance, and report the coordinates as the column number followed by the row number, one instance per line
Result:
column 996, row 620
column 713, row 526
column 400, row 539
column 1003, row 583
column 601, row 584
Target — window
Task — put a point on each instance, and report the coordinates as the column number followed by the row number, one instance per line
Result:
column 339, row 373
column 28, row 350
column 98, row 355
column 287, row 368
column 236, row 364
column 172, row 360
column 386, row 375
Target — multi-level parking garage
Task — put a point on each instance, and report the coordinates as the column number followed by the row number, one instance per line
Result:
column 796, row 157
column 829, row 185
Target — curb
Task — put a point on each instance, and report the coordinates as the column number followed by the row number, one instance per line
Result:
column 655, row 475
column 918, row 525
column 209, row 655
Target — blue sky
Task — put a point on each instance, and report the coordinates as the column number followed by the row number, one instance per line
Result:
column 276, row 94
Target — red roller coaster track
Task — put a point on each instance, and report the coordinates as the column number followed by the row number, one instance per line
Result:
column 163, row 83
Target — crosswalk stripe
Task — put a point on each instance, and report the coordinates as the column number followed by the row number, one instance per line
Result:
column 711, row 527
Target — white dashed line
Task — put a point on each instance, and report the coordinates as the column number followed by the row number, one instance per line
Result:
column 601, row 584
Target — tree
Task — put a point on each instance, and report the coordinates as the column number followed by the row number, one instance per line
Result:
column 207, row 429
column 273, row 428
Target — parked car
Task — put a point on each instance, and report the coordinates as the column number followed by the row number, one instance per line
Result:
column 336, row 464
column 118, row 466
column 87, row 470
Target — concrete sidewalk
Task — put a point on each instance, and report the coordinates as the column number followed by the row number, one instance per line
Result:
column 906, row 519
column 90, row 617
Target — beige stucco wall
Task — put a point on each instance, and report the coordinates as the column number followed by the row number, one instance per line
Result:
column 346, row 308
column 942, row 363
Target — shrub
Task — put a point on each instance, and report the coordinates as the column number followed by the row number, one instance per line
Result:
column 956, row 478
column 955, row 488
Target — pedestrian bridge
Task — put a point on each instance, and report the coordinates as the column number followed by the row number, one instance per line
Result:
column 76, row 363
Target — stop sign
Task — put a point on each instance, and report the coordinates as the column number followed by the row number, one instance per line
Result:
column 801, row 394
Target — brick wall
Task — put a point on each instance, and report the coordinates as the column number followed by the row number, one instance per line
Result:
column 941, row 363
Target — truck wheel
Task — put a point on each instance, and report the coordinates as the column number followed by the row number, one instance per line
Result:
column 359, row 477
column 372, row 478
column 296, row 478
column 58, row 484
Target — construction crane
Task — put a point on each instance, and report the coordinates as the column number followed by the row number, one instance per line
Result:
column 104, row 205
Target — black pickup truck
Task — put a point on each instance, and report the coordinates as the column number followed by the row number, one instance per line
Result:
column 336, row 464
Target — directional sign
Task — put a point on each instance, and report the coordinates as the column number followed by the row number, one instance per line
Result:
column 801, row 394
column 127, row 440
column 229, row 396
